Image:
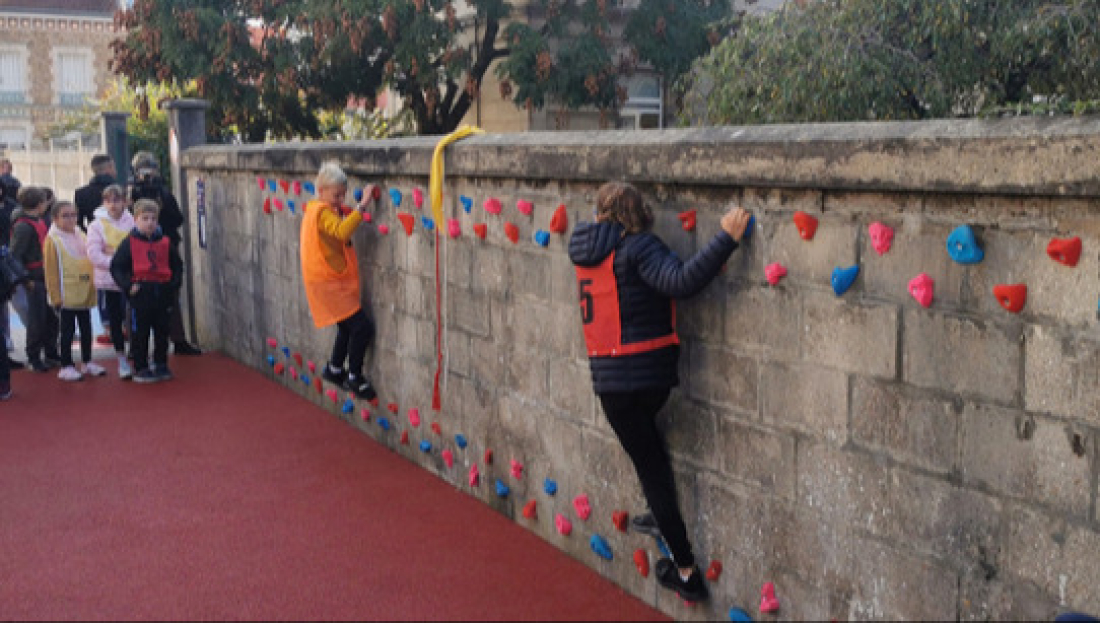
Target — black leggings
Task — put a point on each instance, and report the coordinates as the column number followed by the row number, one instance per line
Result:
column 115, row 305
column 69, row 319
column 353, row 336
column 633, row 417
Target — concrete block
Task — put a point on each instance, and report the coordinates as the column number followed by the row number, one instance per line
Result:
column 940, row 351
column 469, row 311
column 1062, row 373
column 1027, row 457
column 767, row 320
column 419, row 249
column 527, row 374
column 570, row 389
column 760, row 456
column 891, row 582
column 848, row 336
column 847, row 490
column 721, row 377
column 490, row 269
column 1057, row 556
column 701, row 317
column 527, row 273
column 995, row 599
column 914, row 427
column 806, row 398
column 691, row 431
column 456, row 262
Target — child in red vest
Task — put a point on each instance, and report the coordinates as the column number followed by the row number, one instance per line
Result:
column 28, row 233
column 148, row 269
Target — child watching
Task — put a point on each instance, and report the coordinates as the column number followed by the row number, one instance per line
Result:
column 148, row 269
column 330, row 272
column 28, row 234
column 627, row 279
column 106, row 231
column 69, row 284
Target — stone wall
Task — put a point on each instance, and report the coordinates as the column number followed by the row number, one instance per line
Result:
column 870, row 457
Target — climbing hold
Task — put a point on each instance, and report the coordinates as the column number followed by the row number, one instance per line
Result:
column 286, row 351
column 663, row 548
column 580, row 504
column 357, row 194
column 502, row 489
column 318, row 385
column 285, row 185
column 349, row 406
column 383, row 423
column 279, row 368
column 261, row 182
column 267, row 205
column 600, row 547
column 309, row 188
column 738, row 615
column 641, row 562
column 550, row 487
column 1065, row 250
column 454, row 228
column 619, row 518
column 312, row 367
column 392, row 407
column 467, row 203
column 272, row 343
column 297, row 187
column 418, row 198
column 375, row 192
column 512, row 232
column 290, row 206
column 562, row 523
column 437, row 429
column 542, row 237
column 525, row 207
column 293, row 374
column 560, row 221
column 882, row 236
column 492, row 205
column 687, row 220
column 1011, row 297
column 962, row 246
column 395, row 197
column 806, row 224
column 768, row 601
column 271, row 360
column 383, row 229
column 368, row 217
column 364, row 414
column 427, row 222
column 373, row 401
column 460, row 441
column 517, row 469
column 305, row 379
column 475, row 476
column 331, row 393
column 774, row 272
column 488, row 457
column 714, row 570
column 749, row 227
column 448, row 458
column 414, row 417
column 425, row 446
column 480, row 229
column 279, row 204
column 843, row 278
column 272, row 185
column 404, row 437
column 407, row 222
column 922, row 288
column 530, row 510
column 298, row 359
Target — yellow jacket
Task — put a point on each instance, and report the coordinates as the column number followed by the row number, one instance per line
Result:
column 68, row 270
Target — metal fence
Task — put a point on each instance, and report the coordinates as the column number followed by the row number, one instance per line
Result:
column 63, row 164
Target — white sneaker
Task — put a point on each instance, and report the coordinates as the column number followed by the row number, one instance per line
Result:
column 125, row 372
column 94, row 369
column 69, row 373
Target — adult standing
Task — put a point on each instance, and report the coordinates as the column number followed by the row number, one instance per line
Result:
column 89, row 197
column 9, row 188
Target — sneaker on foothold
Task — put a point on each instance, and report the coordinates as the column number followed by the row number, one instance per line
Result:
column 185, row 348
column 94, row 369
column 146, row 376
column 163, row 373
column 52, row 362
column 646, row 524
column 692, row 590
column 336, row 376
column 361, row 387
column 5, row 390
column 70, row 373
column 125, row 372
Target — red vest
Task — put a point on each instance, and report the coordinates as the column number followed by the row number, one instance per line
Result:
column 151, row 264
column 603, row 331
column 39, row 226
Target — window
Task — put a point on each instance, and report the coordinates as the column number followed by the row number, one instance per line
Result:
column 644, row 108
column 73, row 76
column 13, row 137
column 13, row 75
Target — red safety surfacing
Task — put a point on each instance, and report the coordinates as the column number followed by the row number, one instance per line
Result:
column 220, row 495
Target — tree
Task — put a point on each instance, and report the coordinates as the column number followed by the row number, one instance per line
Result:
column 846, row 60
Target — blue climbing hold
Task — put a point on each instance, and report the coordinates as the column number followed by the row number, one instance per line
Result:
column 664, row 548
column 502, row 489
column 600, row 546
column 460, row 440
column 427, row 222
column 309, row 188
column 349, row 406
column 542, row 237
column 290, row 206
column 305, row 378
column 963, row 247
column 271, row 360
column 739, row 615
column 384, row 423
column 272, row 185
column 748, row 229
column 549, row 486
column 425, row 446
column 286, row 351
column 843, row 278
column 358, row 194
column 395, row 197
column 466, row 202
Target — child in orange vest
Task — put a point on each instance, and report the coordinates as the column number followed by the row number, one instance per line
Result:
column 71, row 291
column 330, row 272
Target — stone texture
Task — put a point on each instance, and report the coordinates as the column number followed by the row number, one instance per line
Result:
column 808, row 399
column 722, row 377
column 756, row 455
column 840, row 334
column 918, row 247
column 913, row 427
column 848, row 490
column 1054, row 555
column 766, row 320
column 1062, row 374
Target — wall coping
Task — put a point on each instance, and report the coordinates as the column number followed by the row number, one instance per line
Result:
column 1051, row 156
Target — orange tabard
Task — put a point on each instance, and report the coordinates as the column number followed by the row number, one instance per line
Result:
column 603, row 331
column 332, row 295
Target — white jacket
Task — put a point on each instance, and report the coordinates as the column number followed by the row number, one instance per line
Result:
column 102, row 231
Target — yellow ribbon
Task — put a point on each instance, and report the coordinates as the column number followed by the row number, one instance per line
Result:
column 435, row 184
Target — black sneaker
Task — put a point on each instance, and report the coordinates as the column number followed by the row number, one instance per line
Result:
column 146, row 376
column 187, row 349
column 645, row 524
column 5, row 390
column 361, row 387
column 163, row 373
column 336, row 376
column 37, row 365
column 52, row 362
column 15, row 365
column 693, row 589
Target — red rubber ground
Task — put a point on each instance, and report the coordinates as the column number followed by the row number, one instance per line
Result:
column 221, row 495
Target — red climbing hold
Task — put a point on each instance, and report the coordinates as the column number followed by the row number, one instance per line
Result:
column 312, row 367
column 806, row 224
column 261, row 182
column 1065, row 250
column 279, row 368
column 449, row 458
column 392, row 407
column 714, row 570
column 267, row 205
column 475, row 476
column 687, row 220
column 436, row 428
column 488, row 457
column 374, row 401
column 418, row 198
column 517, row 469
column 365, row 414
column 560, row 221
column 414, row 417
column 529, row 510
column 285, row 185
column 480, row 230
column 1011, row 297
column 332, row 395
column 317, row 384
column 297, row 187
column 272, row 342
column 512, row 232
column 563, row 524
column 406, row 222
column 298, row 359
column 768, row 601
column 404, row 437
column 619, row 518
column 641, row 561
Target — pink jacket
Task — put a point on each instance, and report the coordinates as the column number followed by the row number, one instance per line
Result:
column 102, row 231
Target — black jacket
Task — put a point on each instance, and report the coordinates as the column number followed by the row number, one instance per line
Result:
column 170, row 218
column 648, row 275
column 88, row 198
column 151, row 294
column 25, row 245
column 9, row 187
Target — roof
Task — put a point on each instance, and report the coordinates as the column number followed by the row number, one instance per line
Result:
column 61, row 7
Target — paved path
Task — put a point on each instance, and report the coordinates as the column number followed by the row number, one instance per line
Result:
column 221, row 495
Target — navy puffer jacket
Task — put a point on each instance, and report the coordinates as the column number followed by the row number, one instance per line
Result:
column 648, row 275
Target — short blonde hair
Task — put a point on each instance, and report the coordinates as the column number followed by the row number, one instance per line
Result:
column 330, row 174
column 141, row 206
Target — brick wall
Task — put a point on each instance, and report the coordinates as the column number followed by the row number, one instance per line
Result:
column 870, row 457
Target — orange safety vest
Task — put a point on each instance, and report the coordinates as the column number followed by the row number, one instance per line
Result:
column 603, row 330
column 332, row 296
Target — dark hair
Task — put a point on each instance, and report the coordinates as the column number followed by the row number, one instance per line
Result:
column 30, row 197
column 100, row 162
column 621, row 203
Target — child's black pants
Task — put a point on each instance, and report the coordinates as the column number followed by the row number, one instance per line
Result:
column 353, row 336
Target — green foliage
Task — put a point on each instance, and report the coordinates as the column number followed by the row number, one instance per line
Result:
column 670, row 34
column 846, row 60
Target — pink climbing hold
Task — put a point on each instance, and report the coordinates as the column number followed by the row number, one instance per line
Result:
column 493, row 205
column 475, row 476
column 312, row 367
column 332, row 395
column 882, row 236
column 418, row 198
column 562, row 523
column 272, row 342
column 454, row 228
column 368, row 217
column 365, row 414
column 297, row 187
column 768, row 601
column 414, row 417
column 293, row 374
column 279, row 204
column 525, row 207
column 517, row 469
column 581, row 505
column 261, row 182
column 383, row 229
column 449, row 458
column 922, row 288
column 774, row 272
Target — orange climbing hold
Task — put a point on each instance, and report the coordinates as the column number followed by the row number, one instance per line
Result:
column 512, row 232
column 406, row 222
column 1065, row 250
column 687, row 220
column 560, row 221
column 480, row 230
column 641, row 561
column 529, row 510
column 1011, row 297
column 806, row 224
